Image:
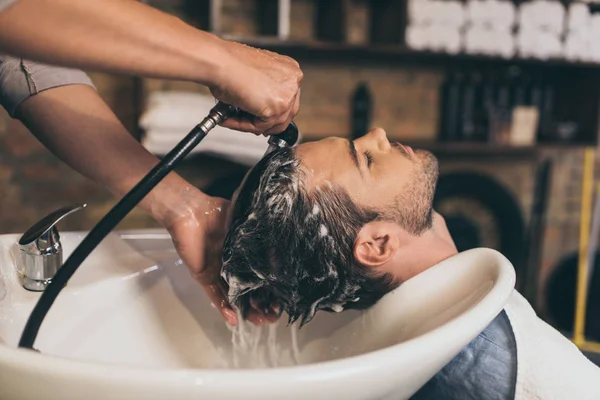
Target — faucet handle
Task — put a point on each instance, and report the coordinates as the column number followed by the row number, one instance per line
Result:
column 41, row 251
column 45, row 230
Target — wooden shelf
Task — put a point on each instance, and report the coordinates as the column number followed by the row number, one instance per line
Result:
column 482, row 149
column 373, row 53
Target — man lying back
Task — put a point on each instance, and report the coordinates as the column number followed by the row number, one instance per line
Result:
column 337, row 224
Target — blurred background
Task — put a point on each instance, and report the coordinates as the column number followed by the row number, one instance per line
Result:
column 505, row 93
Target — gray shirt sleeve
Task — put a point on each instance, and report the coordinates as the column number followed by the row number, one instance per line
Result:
column 20, row 79
column 6, row 3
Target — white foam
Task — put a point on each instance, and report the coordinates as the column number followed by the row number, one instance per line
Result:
column 323, row 231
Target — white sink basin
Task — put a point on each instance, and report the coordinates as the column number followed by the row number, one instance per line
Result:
column 132, row 324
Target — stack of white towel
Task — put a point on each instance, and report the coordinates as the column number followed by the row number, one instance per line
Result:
column 170, row 115
column 541, row 27
column 582, row 34
column 435, row 25
column 490, row 27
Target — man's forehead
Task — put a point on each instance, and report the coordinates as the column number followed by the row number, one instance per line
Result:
column 326, row 160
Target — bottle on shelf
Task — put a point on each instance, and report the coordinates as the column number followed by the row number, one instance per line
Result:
column 330, row 21
column 487, row 104
column 361, row 110
column 519, row 89
column 450, row 107
column 546, row 117
column 469, row 116
column 273, row 18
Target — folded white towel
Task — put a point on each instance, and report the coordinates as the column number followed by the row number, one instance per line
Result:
column 175, row 109
column 170, row 115
column 239, row 150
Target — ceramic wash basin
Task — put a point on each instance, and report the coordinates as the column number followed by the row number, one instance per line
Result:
column 132, row 324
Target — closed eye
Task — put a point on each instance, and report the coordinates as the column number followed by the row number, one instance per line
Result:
column 369, row 158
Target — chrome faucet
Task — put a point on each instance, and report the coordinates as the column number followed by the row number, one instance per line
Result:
column 41, row 250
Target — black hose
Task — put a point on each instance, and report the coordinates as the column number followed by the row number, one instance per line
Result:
column 219, row 113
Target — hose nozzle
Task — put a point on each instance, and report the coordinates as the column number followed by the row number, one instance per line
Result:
column 222, row 111
column 287, row 138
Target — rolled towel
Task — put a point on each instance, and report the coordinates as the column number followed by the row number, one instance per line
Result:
column 417, row 37
column 594, row 48
column 595, row 27
column 445, row 39
column 548, row 15
column 504, row 43
column 436, row 12
column 491, row 42
column 494, row 14
column 549, row 45
column 577, row 47
column 537, row 43
column 450, row 13
column 477, row 12
column 478, row 40
column 421, row 12
column 579, row 17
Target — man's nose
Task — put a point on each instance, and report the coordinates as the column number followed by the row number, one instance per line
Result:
column 380, row 137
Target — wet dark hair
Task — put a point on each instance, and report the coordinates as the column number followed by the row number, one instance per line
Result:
column 295, row 246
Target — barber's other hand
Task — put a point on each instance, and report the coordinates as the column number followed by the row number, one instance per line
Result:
column 261, row 83
column 198, row 236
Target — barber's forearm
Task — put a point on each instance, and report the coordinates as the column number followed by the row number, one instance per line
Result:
column 79, row 128
column 119, row 36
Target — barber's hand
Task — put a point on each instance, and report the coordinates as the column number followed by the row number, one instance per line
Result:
column 198, row 237
column 264, row 84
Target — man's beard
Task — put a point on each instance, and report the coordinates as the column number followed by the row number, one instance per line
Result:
column 413, row 208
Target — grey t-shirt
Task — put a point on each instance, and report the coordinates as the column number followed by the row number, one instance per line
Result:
column 6, row 3
column 20, row 79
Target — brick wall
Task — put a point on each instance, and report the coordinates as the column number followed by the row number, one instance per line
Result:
column 33, row 182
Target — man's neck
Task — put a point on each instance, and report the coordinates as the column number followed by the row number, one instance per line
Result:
column 423, row 252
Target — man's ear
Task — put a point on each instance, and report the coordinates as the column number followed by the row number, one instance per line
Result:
column 377, row 243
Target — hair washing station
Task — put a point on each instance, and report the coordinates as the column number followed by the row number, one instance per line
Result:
column 132, row 324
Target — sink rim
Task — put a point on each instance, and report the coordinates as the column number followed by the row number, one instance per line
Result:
column 380, row 359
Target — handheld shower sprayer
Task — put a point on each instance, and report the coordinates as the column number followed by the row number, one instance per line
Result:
column 219, row 113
